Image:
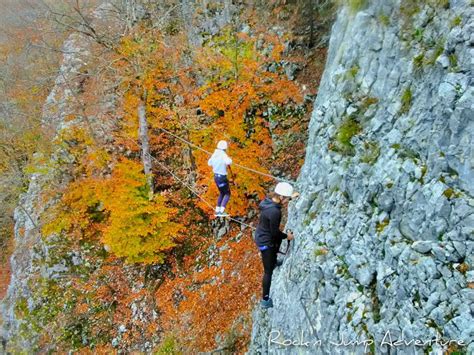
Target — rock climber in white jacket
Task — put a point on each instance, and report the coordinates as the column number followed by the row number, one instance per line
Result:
column 220, row 161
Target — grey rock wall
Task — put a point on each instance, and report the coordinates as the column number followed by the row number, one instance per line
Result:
column 33, row 257
column 29, row 246
column 384, row 225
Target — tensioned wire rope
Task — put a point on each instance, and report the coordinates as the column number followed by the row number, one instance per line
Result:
column 188, row 186
column 199, row 196
column 174, row 175
column 209, row 153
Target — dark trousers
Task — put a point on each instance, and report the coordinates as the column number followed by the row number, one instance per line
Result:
column 224, row 189
column 269, row 259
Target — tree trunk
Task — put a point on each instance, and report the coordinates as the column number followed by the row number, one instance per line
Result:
column 145, row 143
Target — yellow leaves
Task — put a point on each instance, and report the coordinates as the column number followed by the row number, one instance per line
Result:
column 238, row 91
column 159, row 115
column 129, row 123
column 35, row 90
column 129, row 47
column 78, row 135
column 119, row 210
column 77, row 210
column 96, row 160
column 137, row 229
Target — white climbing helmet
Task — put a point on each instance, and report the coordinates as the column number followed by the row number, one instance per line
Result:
column 222, row 145
column 284, row 189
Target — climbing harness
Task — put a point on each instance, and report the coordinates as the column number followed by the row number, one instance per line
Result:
column 265, row 247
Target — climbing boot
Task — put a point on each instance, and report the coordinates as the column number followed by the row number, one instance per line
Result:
column 266, row 303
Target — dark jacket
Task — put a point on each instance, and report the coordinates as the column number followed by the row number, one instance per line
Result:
column 268, row 229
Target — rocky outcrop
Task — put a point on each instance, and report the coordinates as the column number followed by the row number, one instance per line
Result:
column 28, row 243
column 33, row 256
column 384, row 224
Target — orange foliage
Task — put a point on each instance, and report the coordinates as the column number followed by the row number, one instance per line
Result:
column 211, row 300
column 108, row 200
column 239, row 89
column 138, row 229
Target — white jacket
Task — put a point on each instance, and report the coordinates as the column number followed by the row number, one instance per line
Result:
column 219, row 161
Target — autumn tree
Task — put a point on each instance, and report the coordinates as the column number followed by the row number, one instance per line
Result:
column 242, row 83
column 117, row 211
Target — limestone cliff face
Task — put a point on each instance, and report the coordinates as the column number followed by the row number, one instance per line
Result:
column 28, row 243
column 384, row 224
column 33, row 257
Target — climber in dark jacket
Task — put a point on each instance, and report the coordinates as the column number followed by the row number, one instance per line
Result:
column 268, row 236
